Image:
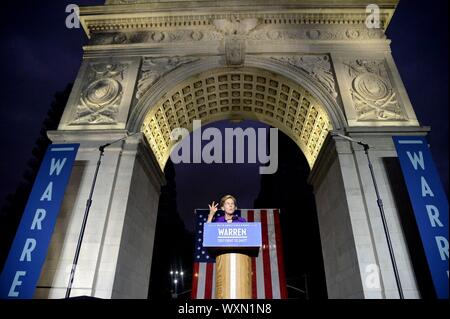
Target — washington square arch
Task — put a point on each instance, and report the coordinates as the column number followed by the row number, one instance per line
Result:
column 309, row 68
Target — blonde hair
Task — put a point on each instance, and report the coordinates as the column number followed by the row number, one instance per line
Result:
column 222, row 201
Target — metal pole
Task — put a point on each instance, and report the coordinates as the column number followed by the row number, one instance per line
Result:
column 383, row 218
column 83, row 225
column 86, row 213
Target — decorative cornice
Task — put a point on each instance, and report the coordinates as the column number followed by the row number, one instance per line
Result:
column 304, row 3
column 102, row 24
column 188, row 14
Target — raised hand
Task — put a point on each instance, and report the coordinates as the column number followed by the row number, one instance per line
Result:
column 212, row 211
column 213, row 208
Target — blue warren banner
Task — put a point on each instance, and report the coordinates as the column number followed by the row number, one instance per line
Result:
column 29, row 249
column 429, row 203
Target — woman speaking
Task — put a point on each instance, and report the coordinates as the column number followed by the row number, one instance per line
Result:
column 233, row 267
column 229, row 206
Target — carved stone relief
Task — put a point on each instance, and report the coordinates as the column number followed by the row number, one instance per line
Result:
column 235, row 32
column 317, row 66
column 372, row 92
column 247, row 28
column 235, row 26
column 154, row 68
column 155, row 37
column 101, row 96
column 316, row 33
column 234, row 50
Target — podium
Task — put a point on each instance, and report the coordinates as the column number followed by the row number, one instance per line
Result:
column 233, row 245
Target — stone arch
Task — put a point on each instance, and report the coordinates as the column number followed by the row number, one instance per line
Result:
column 250, row 92
column 117, row 259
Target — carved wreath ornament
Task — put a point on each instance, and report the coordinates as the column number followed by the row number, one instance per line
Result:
column 372, row 93
column 100, row 99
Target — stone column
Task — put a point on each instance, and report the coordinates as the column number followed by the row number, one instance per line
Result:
column 356, row 256
column 116, row 253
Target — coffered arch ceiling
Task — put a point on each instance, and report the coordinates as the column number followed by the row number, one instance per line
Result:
column 237, row 94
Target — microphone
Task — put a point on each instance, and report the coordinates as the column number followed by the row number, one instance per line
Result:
column 366, row 146
column 102, row 147
column 128, row 133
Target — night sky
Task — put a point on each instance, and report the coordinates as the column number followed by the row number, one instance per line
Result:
column 40, row 56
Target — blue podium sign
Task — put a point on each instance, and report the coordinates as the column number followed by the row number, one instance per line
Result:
column 232, row 234
column 29, row 249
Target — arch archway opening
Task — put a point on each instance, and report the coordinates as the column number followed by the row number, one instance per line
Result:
column 241, row 94
column 190, row 186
